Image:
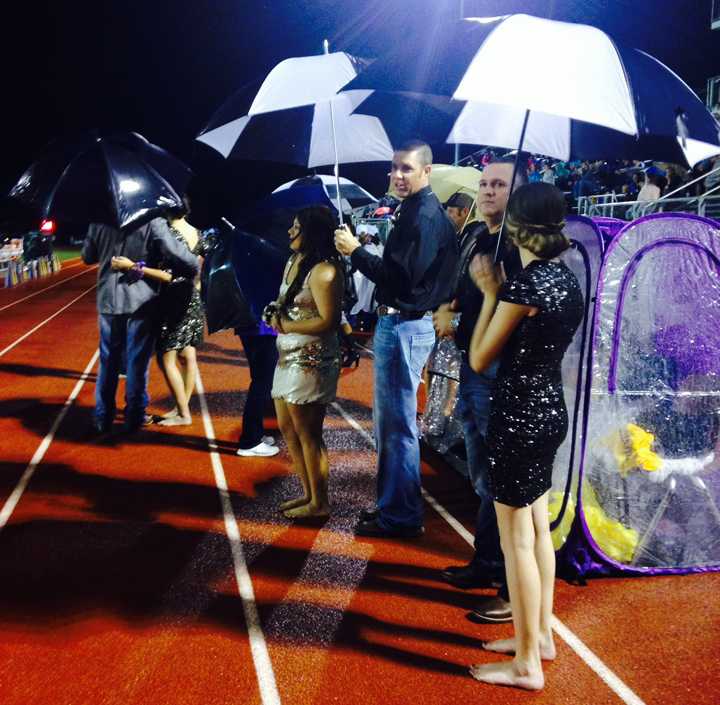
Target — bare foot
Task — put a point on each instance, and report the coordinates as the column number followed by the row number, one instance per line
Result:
column 176, row 421
column 170, row 414
column 507, row 646
column 292, row 503
column 305, row 511
column 509, row 674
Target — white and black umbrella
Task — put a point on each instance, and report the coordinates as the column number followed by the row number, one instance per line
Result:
column 578, row 93
column 298, row 117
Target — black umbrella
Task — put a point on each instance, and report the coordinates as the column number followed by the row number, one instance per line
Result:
column 119, row 179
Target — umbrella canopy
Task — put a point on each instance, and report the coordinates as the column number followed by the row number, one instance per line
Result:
column 446, row 180
column 638, row 107
column 303, row 135
column 118, row 179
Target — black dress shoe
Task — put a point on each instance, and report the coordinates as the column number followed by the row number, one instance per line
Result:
column 369, row 514
column 374, row 529
column 492, row 610
column 466, row 577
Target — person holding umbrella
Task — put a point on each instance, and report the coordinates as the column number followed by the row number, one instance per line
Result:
column 125, row 301
column 413, row 277
column 527, row 323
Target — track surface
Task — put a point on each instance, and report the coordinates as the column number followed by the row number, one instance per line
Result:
column 130, row 575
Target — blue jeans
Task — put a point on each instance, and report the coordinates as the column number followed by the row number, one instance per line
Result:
column 401, row 350
column 474, row 410
column 133, row 336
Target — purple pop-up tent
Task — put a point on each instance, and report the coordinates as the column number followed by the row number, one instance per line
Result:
column 646, row 443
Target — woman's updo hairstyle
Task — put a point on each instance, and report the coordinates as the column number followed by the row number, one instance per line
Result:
column 535, row 219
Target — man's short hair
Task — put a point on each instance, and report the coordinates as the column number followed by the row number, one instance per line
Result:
column 459, row 200
column 425, row 155
column 521, row 177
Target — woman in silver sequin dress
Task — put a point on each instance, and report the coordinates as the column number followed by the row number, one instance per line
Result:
column 537, row 314
column 306, row 317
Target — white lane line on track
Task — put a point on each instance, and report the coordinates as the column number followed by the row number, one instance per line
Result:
column 17, row 493
column 47, row 320
column 258, row 646
column 624, row 692
column 47, row 288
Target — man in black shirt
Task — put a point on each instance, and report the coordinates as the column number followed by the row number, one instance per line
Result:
column 413, row 277
column 458, row 319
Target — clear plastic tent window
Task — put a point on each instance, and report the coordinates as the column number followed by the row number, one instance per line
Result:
column 650, row 473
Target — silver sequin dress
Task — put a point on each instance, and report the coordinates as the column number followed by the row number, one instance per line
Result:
column 528, row 416
column 308, row 366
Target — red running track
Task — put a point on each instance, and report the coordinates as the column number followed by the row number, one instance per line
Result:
column 156, row 569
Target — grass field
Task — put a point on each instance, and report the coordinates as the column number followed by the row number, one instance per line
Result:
column 65, row 253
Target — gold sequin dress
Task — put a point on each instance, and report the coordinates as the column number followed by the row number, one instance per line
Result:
column 308, row 366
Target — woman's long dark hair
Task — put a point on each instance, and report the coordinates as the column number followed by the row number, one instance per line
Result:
column 317, row 227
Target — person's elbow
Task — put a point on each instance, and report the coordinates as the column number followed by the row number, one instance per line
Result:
column 480, row 361
column 327, row 324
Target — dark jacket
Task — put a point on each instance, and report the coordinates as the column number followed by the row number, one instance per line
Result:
column 415, row 272
column 118, row 292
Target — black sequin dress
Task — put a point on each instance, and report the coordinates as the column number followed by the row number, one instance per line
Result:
column 528, row 416
column 182, row 319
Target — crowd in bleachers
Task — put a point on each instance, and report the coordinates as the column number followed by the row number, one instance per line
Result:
column 634, row 180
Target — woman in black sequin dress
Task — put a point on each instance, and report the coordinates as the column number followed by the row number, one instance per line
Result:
column 528, row 322
column 182, row 325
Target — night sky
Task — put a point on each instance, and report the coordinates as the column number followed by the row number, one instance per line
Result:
column 162, row 67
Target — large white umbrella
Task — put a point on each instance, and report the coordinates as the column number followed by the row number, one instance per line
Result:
column 298, row 117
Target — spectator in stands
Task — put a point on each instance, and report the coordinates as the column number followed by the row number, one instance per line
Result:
column 674, row 180
column 651, row 190
column 588, row 184
column 713, row 180
column 548, row 173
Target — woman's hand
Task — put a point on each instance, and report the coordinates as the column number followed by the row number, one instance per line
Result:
column 121, row 264
column 277, row 323
column 486, row 276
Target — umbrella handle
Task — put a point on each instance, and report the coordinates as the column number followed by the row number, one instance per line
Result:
column 326, row 50
column 501, row 238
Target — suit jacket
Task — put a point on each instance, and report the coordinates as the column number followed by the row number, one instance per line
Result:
column 118, row 292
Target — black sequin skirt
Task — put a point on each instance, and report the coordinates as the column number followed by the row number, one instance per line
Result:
column 524, row 434
column 182, row 321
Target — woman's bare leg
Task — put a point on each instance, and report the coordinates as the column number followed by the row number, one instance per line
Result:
column 177, row 388
column 285, row 424
column 308, row 423
column 189, row 355
column 545, row 558
column 517, row 537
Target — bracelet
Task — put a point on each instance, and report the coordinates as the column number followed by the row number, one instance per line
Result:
column 136, row 273
column 455, row 322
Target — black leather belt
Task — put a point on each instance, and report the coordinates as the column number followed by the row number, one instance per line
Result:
column 384, row 310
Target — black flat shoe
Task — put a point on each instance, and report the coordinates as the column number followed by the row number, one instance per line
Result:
column 467, row 577
column 369, row 514
column 492, row 610
column 373, row 529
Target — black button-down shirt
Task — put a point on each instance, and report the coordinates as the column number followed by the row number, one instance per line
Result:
column 415, row 272
column 469, row 297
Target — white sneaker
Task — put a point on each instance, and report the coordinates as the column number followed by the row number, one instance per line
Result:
column 268, row 440
column 262, row 449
